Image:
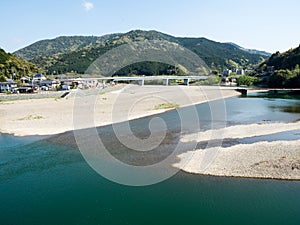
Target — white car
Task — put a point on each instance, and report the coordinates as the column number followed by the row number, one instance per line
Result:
column 44, row 88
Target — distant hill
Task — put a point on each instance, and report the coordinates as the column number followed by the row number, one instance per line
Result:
column 59, row 45
column 282, row 70
column 286, row 60
column 14, row 67
column 252, row 51
column 66, row 54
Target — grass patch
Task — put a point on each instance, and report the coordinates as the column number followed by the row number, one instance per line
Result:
column 31, row 117
column 166, row 106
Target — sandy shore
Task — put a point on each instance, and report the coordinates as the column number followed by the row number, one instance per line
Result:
column 53, row 116
column 279, row 159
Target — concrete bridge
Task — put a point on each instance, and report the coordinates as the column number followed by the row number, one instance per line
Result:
column 141, row 79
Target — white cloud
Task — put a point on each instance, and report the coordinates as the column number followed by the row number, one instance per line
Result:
column 88, row 6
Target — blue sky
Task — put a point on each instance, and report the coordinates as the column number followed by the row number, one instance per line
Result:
column 260, row 24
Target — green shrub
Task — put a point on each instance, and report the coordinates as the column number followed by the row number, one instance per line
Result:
column 247, row 80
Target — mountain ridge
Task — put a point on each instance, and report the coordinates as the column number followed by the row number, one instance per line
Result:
column 252, row 51
column 75, row 41
column 286, row 60
column 76, row 53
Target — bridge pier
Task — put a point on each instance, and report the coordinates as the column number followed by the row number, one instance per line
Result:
column 166, row 81
column 186, row 81
column 141, row 82
column 242, row 91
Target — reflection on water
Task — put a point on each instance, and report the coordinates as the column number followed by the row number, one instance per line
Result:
column 289, row 108
column 276, row 94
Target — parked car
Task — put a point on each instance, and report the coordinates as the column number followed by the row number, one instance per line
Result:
column 44, row 88
column 65, row 87
column 15, row 91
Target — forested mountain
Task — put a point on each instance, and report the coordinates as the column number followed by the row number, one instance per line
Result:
column 66, row 54
column 59, row 45
column 13, row 67
column 285, row 60
column 283, row 69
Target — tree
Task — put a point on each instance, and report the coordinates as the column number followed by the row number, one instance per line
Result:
column 246, row 80
column 296, row 71
column 215, row 72
column 263, row 68
column 233, row 64
column 19, row 83
column 2, row 78
column 181, row 70
column 280, row 78
column 211, row 80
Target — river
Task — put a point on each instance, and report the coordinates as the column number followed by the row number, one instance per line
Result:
column 47, row 182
